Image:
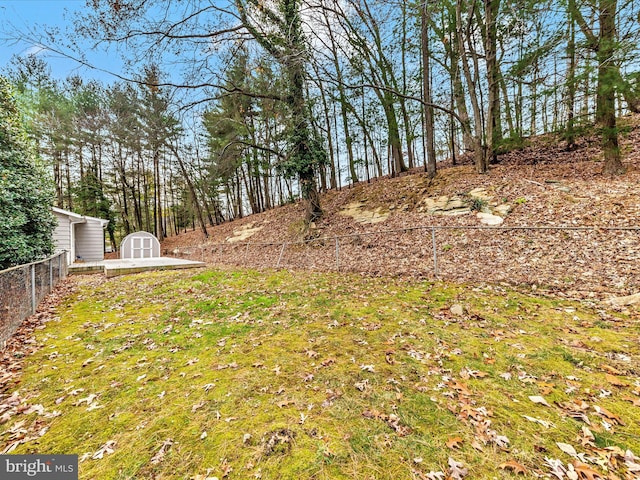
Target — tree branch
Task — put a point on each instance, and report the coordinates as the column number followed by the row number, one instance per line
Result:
column 408, row 97
column 592, row 40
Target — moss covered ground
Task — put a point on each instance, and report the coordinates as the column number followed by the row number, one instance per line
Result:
column 280, row 375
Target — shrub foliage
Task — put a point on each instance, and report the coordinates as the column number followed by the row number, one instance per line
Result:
column 26, row 221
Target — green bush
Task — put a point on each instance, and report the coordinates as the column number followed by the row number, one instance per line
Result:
column 26, row 221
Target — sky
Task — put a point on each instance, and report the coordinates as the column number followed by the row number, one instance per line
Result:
column 26, row 15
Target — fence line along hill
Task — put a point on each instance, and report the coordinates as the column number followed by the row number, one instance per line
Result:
column 540, row 185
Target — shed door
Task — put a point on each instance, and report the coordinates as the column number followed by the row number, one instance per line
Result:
column 141, row 247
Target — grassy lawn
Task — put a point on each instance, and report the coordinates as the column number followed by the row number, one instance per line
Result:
column 278, row 375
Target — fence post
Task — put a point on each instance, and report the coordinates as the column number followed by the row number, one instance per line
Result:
column 281, row 253
column 435, row 252
column 50, row 275
column 337, row 255
column 33, row 288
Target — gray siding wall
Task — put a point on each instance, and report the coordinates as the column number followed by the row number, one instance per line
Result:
column 90, row 241
column 62, row 235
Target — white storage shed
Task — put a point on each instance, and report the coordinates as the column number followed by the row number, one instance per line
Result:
column 140, row 245
column 80, row 235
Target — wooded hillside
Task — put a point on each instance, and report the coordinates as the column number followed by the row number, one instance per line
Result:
column 233, row 109
column 543, row 217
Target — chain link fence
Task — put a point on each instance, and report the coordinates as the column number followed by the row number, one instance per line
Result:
column 22, row 288
column 570, row 258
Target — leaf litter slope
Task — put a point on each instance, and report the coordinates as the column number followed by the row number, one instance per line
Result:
column 244, row 374
column 542, row 184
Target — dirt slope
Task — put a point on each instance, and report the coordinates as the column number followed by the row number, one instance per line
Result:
column 540, row 185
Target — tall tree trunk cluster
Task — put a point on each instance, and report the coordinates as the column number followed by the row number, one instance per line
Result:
column 325, row 94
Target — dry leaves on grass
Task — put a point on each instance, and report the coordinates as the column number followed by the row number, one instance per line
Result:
column 392, row 420
column 514, row 467
column 162, row 451
column 107, row 449
column 17, row 348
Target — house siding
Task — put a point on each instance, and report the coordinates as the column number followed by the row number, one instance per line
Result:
column 62, row 233
column 90, row 241
column 81, row 236
column 62, row 236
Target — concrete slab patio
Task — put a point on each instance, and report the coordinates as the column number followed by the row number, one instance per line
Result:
column 124, row 266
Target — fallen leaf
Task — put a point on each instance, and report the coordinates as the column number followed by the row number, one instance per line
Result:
column 540, row 400
column 514, row 466
column 327, row 362
column 164, row 448
column 475, row 444
column 389, row 357
column 501, row 441
column 373, row 413
column 454, row 443
column 108, row 448
column 544, row 423
column 362, row 386
column 568, row 449
column 611, row 370
column 558, row 469
column 435, row 475
column 634, row 401
column 226, row 468
column 615, row 381
column 461, row 388
column 457, row 471
column 608, row 415
column 88, row 399
column 585, row 472
column 587, row 438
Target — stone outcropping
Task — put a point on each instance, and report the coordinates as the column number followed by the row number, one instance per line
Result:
column 360, row 214
column 490, row 212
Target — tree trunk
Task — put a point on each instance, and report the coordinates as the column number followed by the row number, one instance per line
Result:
column 493, row 130
column 327, row 121
column 157, row 186
column 480, row 159
column 452, row 45
column 430, row 164
column 393, row 132
column 571, row 85
column 192, row 191
column 607, row 74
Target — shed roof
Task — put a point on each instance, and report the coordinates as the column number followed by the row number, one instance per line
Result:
column 77, row 218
